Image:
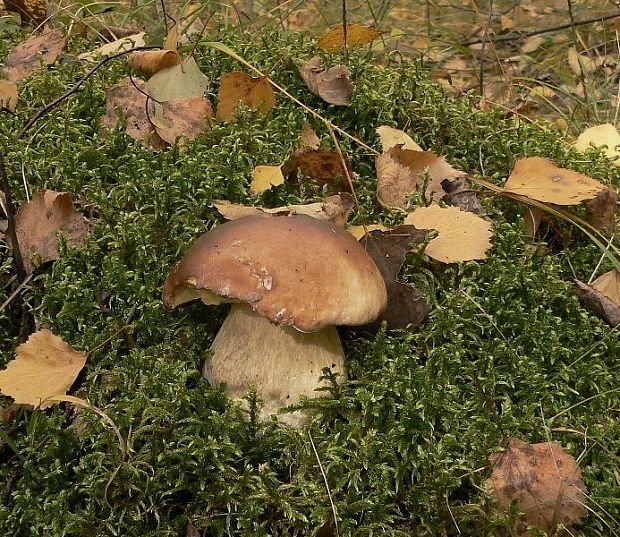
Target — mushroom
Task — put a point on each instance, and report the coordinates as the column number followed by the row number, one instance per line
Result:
column 290, row 280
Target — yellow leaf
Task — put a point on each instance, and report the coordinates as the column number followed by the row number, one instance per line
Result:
column 152, row 61
column 125, row 43
column 264, row 177
column 357, row 34
column 390, row 137
column 599, row 136
column 8, row 95
column 540, row 179
column 238, row 88
column 308, row 138
column 359, row 231
column 44, row 366
column 463, row 236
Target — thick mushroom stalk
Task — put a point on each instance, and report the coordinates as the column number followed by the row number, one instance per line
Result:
column 291, row 280
column 280, row 361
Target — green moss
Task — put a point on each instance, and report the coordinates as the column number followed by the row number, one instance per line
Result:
column 508, row 350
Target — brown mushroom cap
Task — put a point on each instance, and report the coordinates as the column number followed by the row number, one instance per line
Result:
column 293, row 270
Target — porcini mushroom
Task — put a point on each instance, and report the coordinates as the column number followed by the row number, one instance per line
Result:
column 291, row 280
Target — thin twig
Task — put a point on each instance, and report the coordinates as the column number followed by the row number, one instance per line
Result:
column 520, row 35
column 11, row 232
column 344, row 31
column 50, row 106
column 16, row 292
column 483, row 49
column 582, row 71
column 329, row 493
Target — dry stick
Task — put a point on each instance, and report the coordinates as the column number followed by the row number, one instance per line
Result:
column 10, row 216
column 483, row 50
column 582, row 72
column 329, row 493
column 516, row 36
column 16, row 292
column 49, row 107
column 344, row 30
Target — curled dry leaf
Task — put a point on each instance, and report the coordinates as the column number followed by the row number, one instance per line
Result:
column 187, row 118
column 129, row 101
column 391, row 137
column 239, row 88
column 543, row 480
column 602, row 297
column 44, row 366
column 308, row 138
column 609, row 285
column 27, row 56
column 38, row 222
column 357, row 34
column 264, row 177
column 8, row 94
column 540, row 179
column 332, row 85
column 124, row 43
column 32, row 12
column 322, row 165
column 462, row 236
column 152, row 61
column 605, row 135
column 400, row 171
column 406, row 307
column 335, row 209
column 601, row 211
column 458, row 192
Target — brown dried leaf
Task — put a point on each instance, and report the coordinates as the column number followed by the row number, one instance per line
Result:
column 8, row 411
column 600, row 305
column 130, row 102
column 238, row 88
column 391, row 137
column 458, row 192
column 332, row 85
column 32, row 12
column 38, row 221
column 463, row 236
column 308, row 138
column 264, row 177
column 187, row 118
column 152, row 61
column 609, row 285
column 544, row 480
column 8, row 95
column 540, row 179
column 27, row 56
column 400, row 171
column 601, row 211
column 44, row 366
column 124, row 43
column 322, row 165
column 357, row 34
column 406, row 307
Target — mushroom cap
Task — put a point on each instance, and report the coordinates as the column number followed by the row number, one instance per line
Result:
column 293, row 270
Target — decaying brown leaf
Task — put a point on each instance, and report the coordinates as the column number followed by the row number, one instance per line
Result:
column 322, row 165
column 605, row 135
column 38, row 222
column 308, row 138
column 357, row 34
column 239, row 88
column 332, row 85
column 599, row 304
column 129, row 101
column 601, row 211
column 44, row 366
column 400, row 171
column 32, row 12
column 462, row 236
column 27, row 56
column 609, row 285
column 335, row 209
column 7, row 412
column 458, row 192
column 543, row 480
column 264, row 177
column 187, row 118
column 8, row 94
column 391, row 137
column 152, row 61
column 540, row 179
column 406, row 307
column 124, row 43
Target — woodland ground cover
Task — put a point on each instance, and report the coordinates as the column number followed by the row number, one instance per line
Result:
column 508, row 350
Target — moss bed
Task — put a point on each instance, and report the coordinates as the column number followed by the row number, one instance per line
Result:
column 507, row 351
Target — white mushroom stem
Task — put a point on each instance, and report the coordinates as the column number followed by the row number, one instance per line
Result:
column 281, row 362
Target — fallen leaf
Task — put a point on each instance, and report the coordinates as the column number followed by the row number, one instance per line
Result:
column 406, row 307
column 599, row 304
column 180, row 81
column 238, row 88
column 458, row 192
column 332, row 85
column 391, row 137
column 531, row 44
column 32, row 12
column 44, row 366
column 187, row 118
column 540, row 179
column 462, row 236
column 152, row 61
column 335, row 209
column 601, row 211
column 609, row 285
column 27, row 56
column 322, row 165
column 308, row 137
column 359, row 231
column 543, row 480
column 580, row 63
column 264, row 177
column 38, row 222
column 357, row 34
column 124, row 43
column 400, row 171
column 605, row 135
column 8, row 95
column 129, row 102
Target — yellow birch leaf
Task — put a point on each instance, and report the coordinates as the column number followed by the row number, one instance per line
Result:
column 391, row 137
column 357, row 34
column 599, row 136
column 264, row 177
